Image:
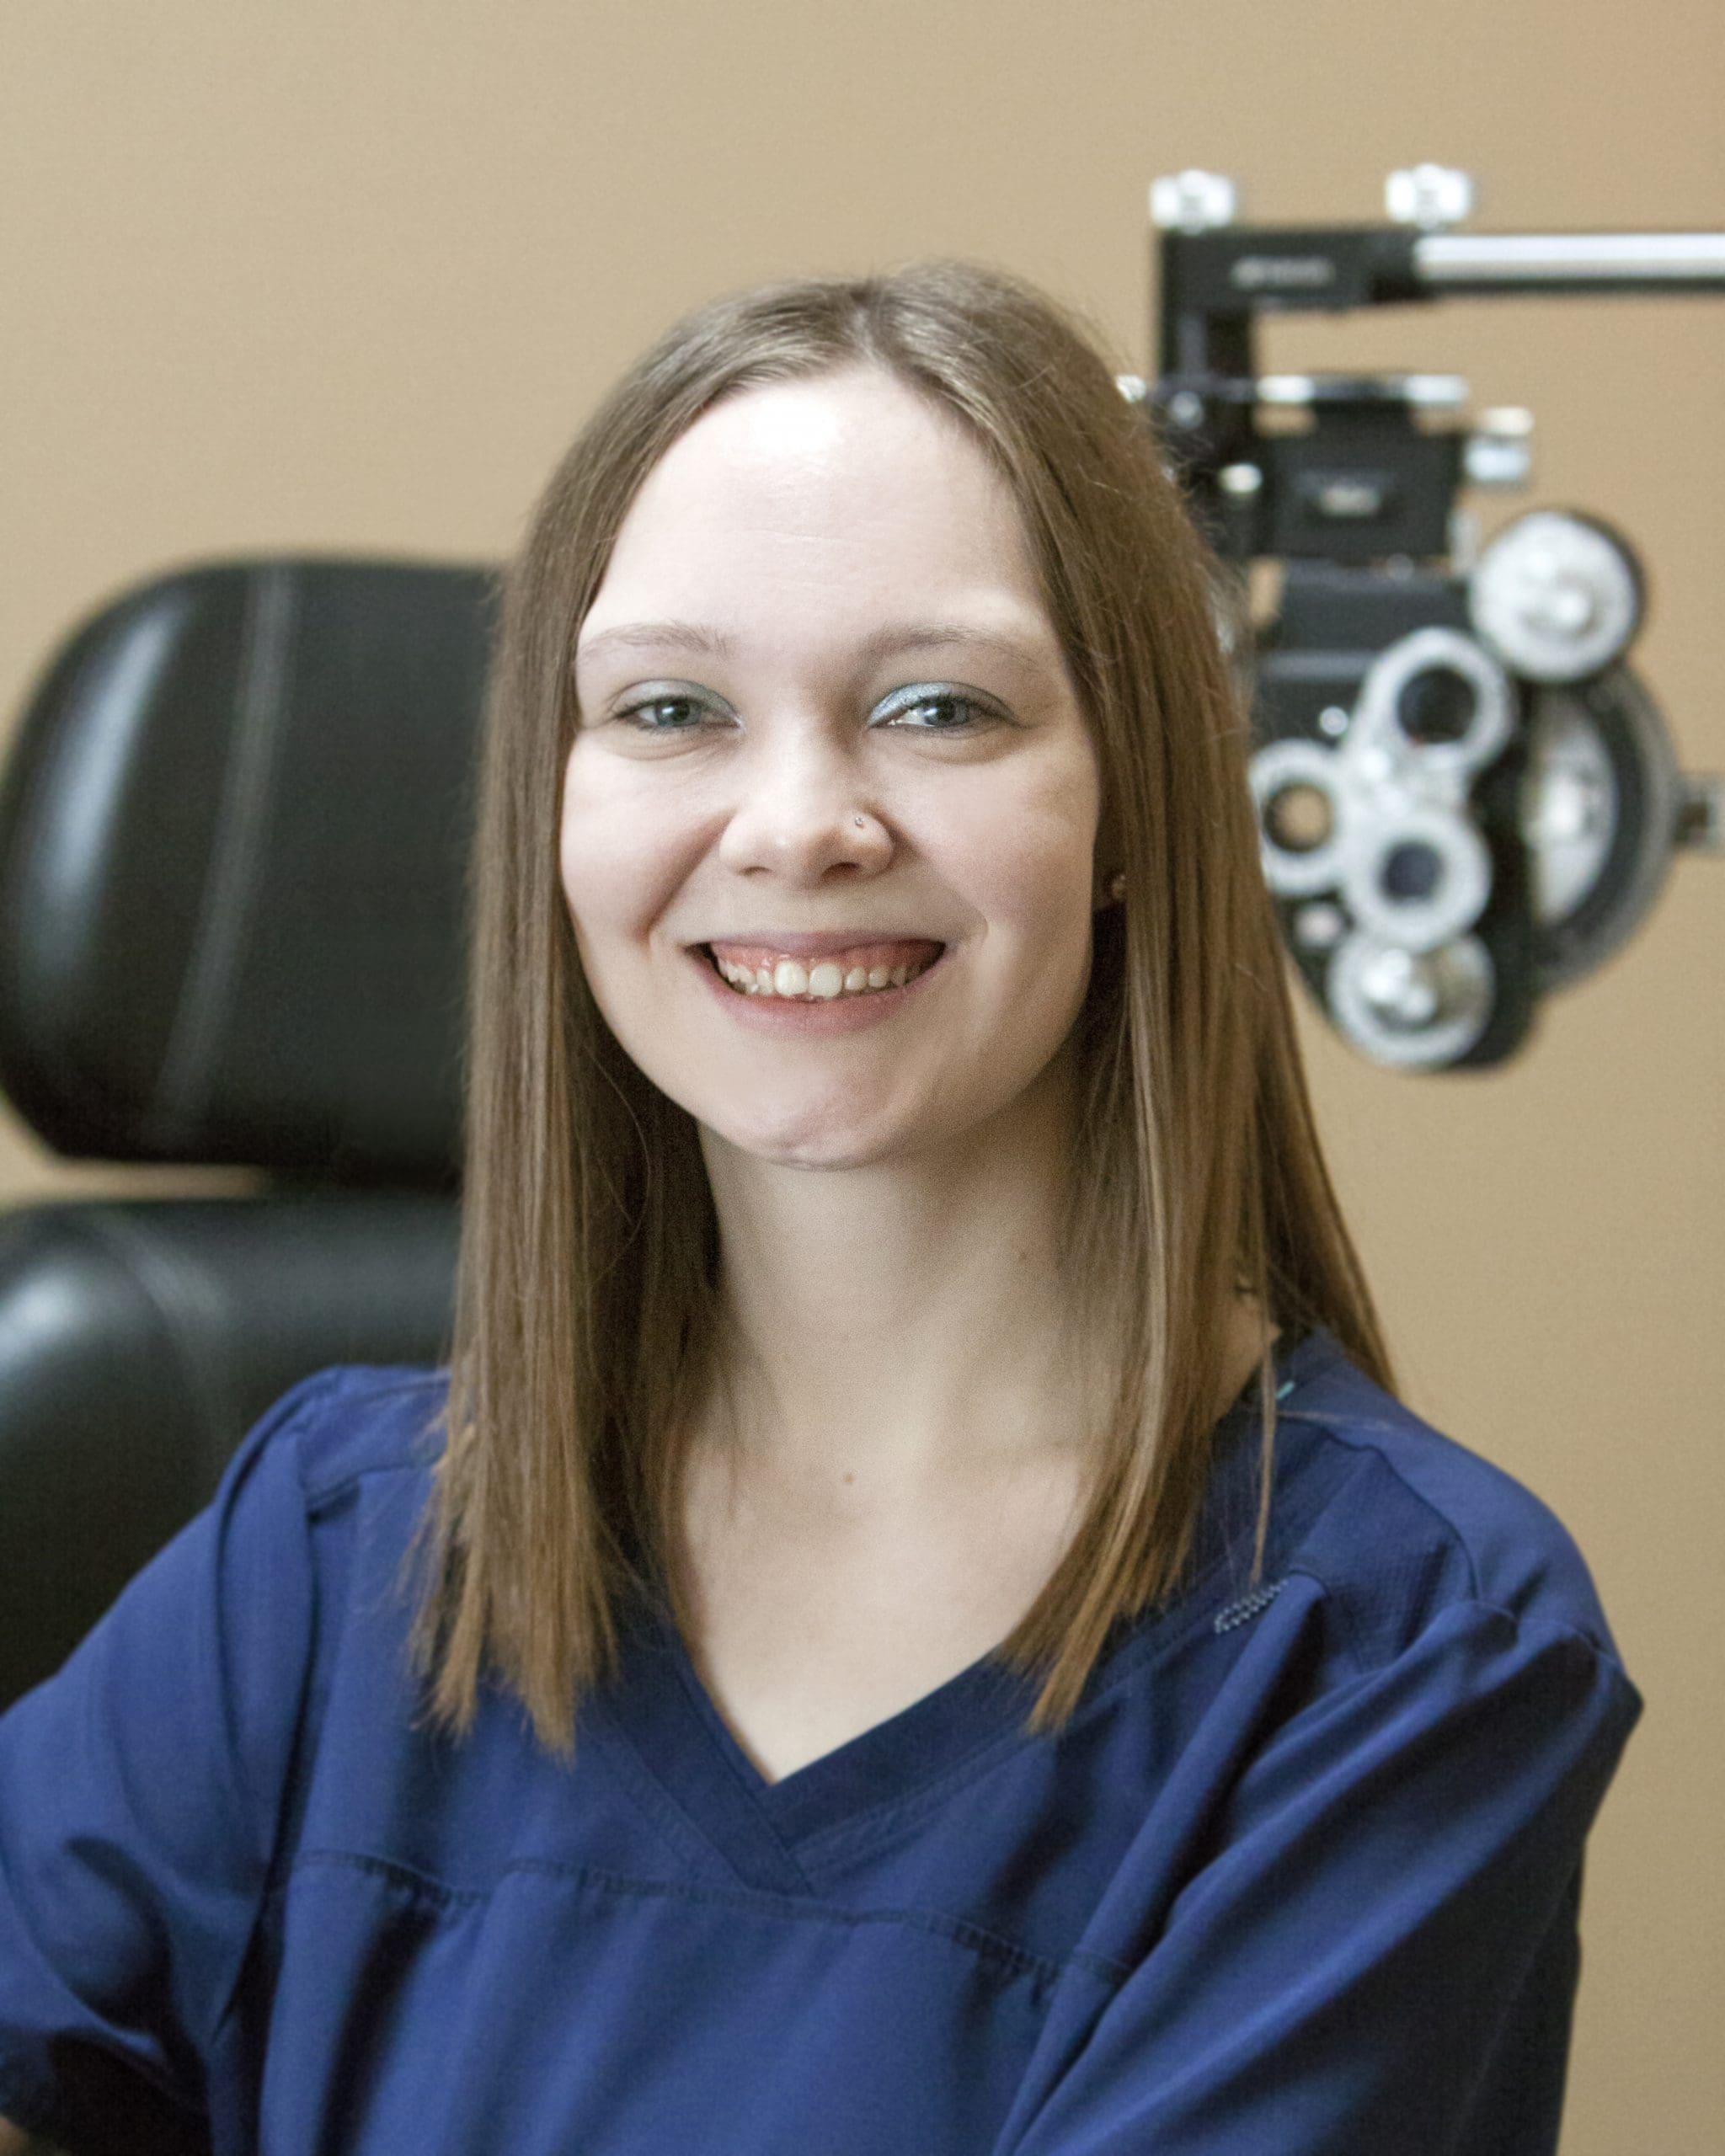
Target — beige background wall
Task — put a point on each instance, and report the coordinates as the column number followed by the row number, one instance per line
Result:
column 345, row 276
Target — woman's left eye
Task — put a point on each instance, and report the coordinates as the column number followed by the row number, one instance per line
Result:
column 937, row 710
column 665, row 714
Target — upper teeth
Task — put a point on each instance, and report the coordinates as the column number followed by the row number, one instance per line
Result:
column 819, row 983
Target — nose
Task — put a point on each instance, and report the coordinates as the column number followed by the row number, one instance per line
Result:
column 802, row 814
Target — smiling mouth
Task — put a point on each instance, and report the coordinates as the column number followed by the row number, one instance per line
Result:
column 860, row 969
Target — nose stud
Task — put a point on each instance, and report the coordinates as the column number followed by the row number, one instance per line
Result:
column 861, row 822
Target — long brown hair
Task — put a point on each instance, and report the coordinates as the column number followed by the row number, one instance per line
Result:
column 589, row 1250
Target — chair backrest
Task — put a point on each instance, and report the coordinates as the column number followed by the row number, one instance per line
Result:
column 233, row 839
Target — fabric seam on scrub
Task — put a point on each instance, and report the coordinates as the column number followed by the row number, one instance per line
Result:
column 1359, row 1439
column 975, row 1939
column 1389, row 1430
column 315, row 1392
column 851, row 1837
column 670, row 1819
column 320, row 1494
column 707, row 1710
column 427, row 1888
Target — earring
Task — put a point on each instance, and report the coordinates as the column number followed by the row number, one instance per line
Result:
column 1117, row 886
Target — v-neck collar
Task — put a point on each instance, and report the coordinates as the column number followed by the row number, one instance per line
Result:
column 667, row 1719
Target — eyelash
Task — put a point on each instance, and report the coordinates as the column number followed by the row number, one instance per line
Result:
column 632, row 714
column 915, row 697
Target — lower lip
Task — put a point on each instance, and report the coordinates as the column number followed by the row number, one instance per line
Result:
column 786, row 1014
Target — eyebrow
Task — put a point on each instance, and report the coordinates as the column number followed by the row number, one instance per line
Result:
column 880, row 643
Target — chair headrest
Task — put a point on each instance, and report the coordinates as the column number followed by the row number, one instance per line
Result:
column 233, row 840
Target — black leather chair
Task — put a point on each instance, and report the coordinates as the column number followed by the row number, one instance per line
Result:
column 233, row 837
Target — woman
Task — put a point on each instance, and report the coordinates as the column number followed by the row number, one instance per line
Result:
column 927, row 1630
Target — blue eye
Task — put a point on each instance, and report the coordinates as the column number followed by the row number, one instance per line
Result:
column 664, row 714
column 953, row 711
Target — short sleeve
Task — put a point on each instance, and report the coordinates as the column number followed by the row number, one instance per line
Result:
column 139, row 1791
column 1378, row 1951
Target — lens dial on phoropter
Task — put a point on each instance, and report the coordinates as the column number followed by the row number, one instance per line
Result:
column 1557, row 597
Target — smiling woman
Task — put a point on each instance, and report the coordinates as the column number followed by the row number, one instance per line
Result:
column 717, row 673
column 916, row 1620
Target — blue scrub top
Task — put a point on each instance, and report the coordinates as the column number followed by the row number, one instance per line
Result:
column 1299, row 1878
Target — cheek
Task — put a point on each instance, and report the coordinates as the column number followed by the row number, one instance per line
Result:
column 621, row 858
column 1031, row 868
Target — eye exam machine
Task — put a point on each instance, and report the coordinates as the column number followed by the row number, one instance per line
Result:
column 1467, row 798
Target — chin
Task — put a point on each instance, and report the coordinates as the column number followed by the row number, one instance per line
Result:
column 809, row 1143
column 817, row 1128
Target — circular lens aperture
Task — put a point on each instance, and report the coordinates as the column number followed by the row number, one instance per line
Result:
column 1436, row 706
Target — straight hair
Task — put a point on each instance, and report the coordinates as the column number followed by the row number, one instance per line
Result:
column 584, row 1329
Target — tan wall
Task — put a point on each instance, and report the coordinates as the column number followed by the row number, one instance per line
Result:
column 342, row 276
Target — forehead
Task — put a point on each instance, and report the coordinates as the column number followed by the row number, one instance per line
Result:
column 848, row 491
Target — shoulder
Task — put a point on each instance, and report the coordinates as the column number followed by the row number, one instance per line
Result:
column 344, row 1426
column 322, row 1498
column 1399, row 1522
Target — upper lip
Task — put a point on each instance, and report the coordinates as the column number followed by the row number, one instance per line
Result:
column 818, row 942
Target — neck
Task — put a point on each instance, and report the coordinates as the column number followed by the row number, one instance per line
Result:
column 909, row 1312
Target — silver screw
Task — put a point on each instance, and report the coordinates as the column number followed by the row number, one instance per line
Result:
column 1186, row 407
column 1700, row 818
column 1333, row 721
column 1499, row 451
column 1490, row 461
column 1428, row 196
column 1319, row 925
column 1192, row 201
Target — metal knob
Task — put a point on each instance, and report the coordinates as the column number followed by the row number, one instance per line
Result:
column 1192, row 201
column 1430, row 197
column 1499, row 451
column 1556, row 595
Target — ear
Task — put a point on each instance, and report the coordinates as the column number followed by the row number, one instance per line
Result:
column 1108, row 882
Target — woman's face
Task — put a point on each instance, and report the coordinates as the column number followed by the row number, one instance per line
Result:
column 829, row 820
